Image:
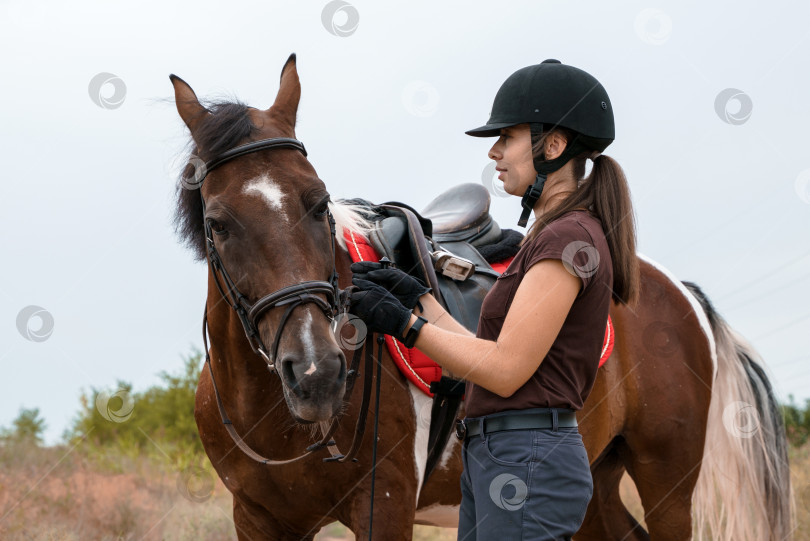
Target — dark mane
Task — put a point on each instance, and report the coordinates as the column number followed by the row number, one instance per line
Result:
column 224, row 128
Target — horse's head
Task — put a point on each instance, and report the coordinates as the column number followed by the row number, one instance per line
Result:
column 268, row 217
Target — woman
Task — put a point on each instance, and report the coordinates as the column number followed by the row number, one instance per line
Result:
column 534, row 359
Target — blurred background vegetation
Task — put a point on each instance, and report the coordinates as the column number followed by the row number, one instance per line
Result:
column 157, row 422
column 131, row 466
column 160, row 419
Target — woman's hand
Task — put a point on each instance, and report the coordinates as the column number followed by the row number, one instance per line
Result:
column 379, row 309
column 404, row 287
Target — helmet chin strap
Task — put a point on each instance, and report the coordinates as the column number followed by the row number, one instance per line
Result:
column 543, row 168
column 530, row 198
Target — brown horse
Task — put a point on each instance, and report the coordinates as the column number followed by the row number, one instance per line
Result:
column 664, row 407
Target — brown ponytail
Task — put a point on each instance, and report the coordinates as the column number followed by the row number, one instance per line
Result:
column 606, row 194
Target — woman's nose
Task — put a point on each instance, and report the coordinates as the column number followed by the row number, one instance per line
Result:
column 493, row 153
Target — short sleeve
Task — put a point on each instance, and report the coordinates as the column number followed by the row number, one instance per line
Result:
column 568, row 241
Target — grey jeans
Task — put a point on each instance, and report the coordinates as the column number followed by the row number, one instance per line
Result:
column 524, row 485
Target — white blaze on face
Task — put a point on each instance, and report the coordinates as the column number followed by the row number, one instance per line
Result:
column 308, row 340
column 266, row 188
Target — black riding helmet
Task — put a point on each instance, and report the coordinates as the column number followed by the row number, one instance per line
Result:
column 545, row 96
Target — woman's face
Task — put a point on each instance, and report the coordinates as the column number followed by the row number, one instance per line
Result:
column 512, row 153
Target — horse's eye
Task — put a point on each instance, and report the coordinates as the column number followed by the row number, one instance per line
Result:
column 322, row 209
column 216, row 227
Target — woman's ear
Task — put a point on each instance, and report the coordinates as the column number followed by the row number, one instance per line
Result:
column 555, row 144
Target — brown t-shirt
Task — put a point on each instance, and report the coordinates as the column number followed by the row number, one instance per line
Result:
column 566, row 375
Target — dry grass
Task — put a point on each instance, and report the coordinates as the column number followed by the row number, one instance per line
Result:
column 50, row 494
column 800, row 481
column 55, row 495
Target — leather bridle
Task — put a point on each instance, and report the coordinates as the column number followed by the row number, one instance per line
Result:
column 291, row 297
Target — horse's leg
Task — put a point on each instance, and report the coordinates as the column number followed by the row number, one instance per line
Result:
column 394, row 488
column 665, row 476
column 393, row 518
column 665, row 429
column 607, row 518
column 602, row 421
column 254, row 523
column 250, row 525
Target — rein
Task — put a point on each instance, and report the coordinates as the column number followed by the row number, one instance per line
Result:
column 291, row 297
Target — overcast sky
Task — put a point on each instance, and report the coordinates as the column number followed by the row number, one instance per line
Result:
column 711, row 105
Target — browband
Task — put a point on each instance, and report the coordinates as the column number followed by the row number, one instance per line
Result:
column 254, row 146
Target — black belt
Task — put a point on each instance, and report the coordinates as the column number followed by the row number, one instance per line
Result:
column 466, row 428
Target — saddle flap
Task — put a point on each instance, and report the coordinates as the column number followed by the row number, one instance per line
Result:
column 401, row 236
column 387, row 236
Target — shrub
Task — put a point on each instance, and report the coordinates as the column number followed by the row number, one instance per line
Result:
column 797, row 421
column 26, row 428
column 120, row 423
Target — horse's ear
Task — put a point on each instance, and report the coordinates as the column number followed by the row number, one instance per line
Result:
column 187, row 103
column 285, row 108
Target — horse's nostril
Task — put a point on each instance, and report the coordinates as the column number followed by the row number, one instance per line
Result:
column 307, row 380
column 288, row 374
column 342, row 374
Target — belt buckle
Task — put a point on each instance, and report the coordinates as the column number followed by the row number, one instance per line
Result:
column 461, row 429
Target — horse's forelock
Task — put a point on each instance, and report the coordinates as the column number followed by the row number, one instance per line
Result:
column 226, row 126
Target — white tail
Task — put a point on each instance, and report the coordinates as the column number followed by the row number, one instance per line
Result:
column 743, row 491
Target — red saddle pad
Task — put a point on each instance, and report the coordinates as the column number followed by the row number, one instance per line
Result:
column 415, row 365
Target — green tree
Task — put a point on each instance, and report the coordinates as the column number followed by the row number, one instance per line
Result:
column 158, row 421
column 27, row 427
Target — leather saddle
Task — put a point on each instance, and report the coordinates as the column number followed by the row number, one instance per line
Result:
column 462, row 214
column 440, row 246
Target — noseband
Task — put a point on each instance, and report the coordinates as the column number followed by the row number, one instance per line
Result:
column 290, row 296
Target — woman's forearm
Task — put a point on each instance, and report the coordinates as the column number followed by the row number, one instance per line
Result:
column 438, row 316
column 473, row 359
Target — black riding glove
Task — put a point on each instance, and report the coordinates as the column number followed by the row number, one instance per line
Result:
column 404, row 287
column 379, row 309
